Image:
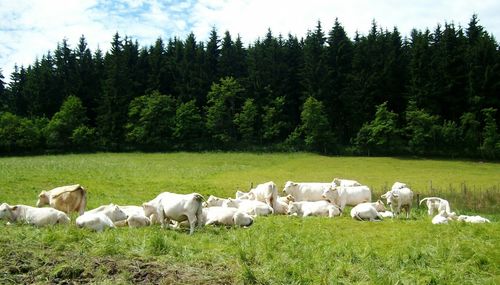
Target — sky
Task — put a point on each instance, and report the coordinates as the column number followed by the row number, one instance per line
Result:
column 29, row 29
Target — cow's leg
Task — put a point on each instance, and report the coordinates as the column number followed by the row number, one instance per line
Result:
column 192, row 223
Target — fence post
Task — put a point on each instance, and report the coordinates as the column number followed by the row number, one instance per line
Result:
column 418, row 200
column 251, row 185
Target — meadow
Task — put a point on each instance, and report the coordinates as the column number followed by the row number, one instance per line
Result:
column 275, row 250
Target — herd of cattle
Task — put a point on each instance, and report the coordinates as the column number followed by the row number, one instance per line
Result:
column 175, row 210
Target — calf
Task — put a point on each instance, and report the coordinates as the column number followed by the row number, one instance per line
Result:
column 316, row 208
column 403, row 198
column 251, row 207
column 94, row 221
column 368, row 211
column 225, row 216
column 112, row 211
column 473, row 219
column 176, row 207
column 443, row 217
column 436, row 203
column 33, row 216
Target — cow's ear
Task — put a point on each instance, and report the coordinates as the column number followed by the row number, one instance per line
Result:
column 295, row 184
column 13, row 208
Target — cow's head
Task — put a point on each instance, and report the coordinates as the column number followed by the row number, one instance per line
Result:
column 212, row 201
column 390, row 196
column 149, row 209
column 6, row 211
column 380, row 206
column 336, row 182
column 293, row 209
column 43, row 199
column 117, row 213
column 289, row 186
column 331, row 194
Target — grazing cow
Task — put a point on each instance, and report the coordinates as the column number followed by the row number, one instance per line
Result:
column 316, row 208
column 72, row 198
column 176, row 207
column 436, row 203
column 94, row 221
column 368, row 211
column 473, row 219
column 343, row 196
column 443, row 217
column 345, row 182
column 213, row 201
column 225, row 216
column 402, row 197
column 33, row 216
column 282, row 204
column 306, row 191
column 251, row 207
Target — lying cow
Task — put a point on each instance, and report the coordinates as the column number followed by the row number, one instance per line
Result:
column 443, row 217
column 251, row 207
column 436, row 203
column 33, row 216
column 403, row 198
column 135, row 217
column 176, row 207
column 368, row 211
column 101, row 218
column 316, row 208
column 343, row 196
column 225, row 216
column 281, row 206
column 213, row 201
column 345, row 182
column 306, row 191
column 72, row 198
column 473, row 219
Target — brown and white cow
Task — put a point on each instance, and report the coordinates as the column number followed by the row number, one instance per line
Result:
column 72, row 198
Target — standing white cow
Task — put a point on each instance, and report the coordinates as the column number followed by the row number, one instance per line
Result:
column 306, row 191
column 345, row 182
column 436, row 203
column 403, row 198
column 368, row 211
column 351, row 196
column 33, row 216
column 251, row 207
column 316, row 208
column 72, row 198
column 176, row 207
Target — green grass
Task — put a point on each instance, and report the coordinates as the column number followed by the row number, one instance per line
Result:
column 275, row 250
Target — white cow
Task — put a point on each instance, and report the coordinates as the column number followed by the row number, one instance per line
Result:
column 282, row 204
column 306, row 191
column 33, row 216
column 436, row 203
column 213, row 201
column 101, row 217
column 316, row 208
column 443, row 217
column 368, row 211
column 251, row 207
column 403, row 198
column 72, row 198
column 176, row 207
column 473, row 219
column 135, row 217
column 94, row 221
column 387, row 214
column 112, row 211
column 345, row 182
column 352, row 196
column 225, row 216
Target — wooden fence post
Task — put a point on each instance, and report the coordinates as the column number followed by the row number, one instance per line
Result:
column 418, row 200
column 251, row 185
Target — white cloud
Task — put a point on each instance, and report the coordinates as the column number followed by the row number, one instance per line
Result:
column 31, row 28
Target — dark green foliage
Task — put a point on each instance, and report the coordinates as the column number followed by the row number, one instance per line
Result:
column 151, row 121
column 223, row 94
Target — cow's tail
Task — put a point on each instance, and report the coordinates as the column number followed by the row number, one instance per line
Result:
column 199, row 211
column 428, row 198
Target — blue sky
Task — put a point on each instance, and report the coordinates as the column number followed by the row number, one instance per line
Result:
column 28, row 29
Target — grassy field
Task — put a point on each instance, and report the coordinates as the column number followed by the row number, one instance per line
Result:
column 275, row 250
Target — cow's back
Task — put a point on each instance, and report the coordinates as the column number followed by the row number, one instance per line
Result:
column 357, row 194
column 311, row 191
column 70, row 201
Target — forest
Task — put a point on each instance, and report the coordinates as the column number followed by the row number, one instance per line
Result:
column 431, row 93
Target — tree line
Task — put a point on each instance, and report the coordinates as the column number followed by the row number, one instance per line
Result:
column 431, row 93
